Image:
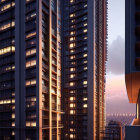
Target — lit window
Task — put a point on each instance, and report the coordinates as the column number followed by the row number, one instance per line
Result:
column 72, row 112
column 7, row 6
column 13, row 116
column 7, row 25
column 31, row 34
column 72, row 105
column 13, row 123
column 85, row 68
column 85, row 30
column 85, row 83
column 30, row 63
column 7, row 50
column 72, row 69
column 72, row 15
column 72, row 38
column 72, row 75
column 30, row 52
column 71, row 1
column 72, row 84
column 72, row 33
column 85, row 106
column 30, row 82
column 72, row 45
column 85, row 55
column 72, row 57
column 84, row 99
column 72, row 98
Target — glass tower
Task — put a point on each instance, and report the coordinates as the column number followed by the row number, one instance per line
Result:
column 30, row 70
column 84, row 59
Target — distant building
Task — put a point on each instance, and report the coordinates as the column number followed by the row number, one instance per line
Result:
column 113, row 131
column 124, row 119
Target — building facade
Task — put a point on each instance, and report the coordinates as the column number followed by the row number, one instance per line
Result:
column 132, row 53
column 84, row 54
column 30, row 70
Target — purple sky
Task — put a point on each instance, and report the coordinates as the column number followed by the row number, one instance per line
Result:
column 116, row 96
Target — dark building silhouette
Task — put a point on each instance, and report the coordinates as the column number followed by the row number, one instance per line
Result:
column 113, row 131
column 30, row 70
column 83, row 68
column 132, row 63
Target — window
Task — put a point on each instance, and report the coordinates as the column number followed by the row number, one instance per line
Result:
column 85, row 106
column 7, row 50
column 72, row 112
column 31, row 34
column 7, row 25
column 72, row 69
column 30, row 63
column 7, row 6
column 30, row 52
column 72, row 75
column 72, row 84
column 31, row 82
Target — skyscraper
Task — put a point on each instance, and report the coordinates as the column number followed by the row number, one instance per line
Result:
column 132, row 63
column 83, row 67
column 30, row 70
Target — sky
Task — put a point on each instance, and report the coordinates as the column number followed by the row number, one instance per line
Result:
column 116, row 96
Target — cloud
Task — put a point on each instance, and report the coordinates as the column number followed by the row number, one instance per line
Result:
column 116, row 56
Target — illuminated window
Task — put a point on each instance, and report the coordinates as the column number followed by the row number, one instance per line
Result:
column 72, row 84
column 13, row 116
column 85, row 55
column 13, row 123
column 72, row 136
column 7, row 6
column 72, row 91
column 72, row 75
column 85, row 5
column 72, row 38
column 85, row 30
column 7, row 25
column 30, row 82
column 72, row 45
column 73, row 20
column 72, row 33
column 85, row 62
column 72, row 112
column 72, row 98
column 31, row 34
column 7, row 50
column 30, row 123
column 72, row 69
column 85, row 106
column 72, row 105
column 30, row 63
column 72, row 57
column 71, row 1
column 72, row 51
column 72, row 15
column 30, row 52
column 85, row 68
column 84, row 99
column 85, row 83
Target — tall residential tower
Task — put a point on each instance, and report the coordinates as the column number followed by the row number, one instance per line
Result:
column 84, row 58
column 30, row 70
column 132, row 63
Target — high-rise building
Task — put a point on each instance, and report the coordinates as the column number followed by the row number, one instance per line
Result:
column 132, row 63
column 83, row 67
column 30, row 70
column 113, row 131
